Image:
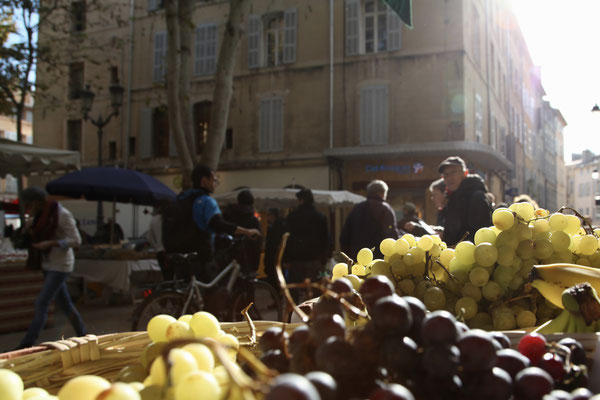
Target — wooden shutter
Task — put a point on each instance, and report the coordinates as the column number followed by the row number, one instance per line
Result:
column 277, row 124
column 352, row 27
column 254, row 41
column 160, row 56
column 366, row 115
column 289, row 36
column 394, row 30
column 145, row 134
column 264, row 127
column 205, row 58
column 374, row 107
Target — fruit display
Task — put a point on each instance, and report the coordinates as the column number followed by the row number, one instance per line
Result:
column 486, row 282
column 399, row 351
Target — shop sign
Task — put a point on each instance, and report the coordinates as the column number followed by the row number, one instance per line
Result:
column 416, row 168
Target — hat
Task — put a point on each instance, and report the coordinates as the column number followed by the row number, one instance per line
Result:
column 33, row 193
column 454, row 160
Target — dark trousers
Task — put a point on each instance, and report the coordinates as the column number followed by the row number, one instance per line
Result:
column 54, row 289
column 301, row 270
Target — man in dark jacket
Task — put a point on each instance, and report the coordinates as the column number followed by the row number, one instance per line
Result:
column 468, row 206
column 308, row 246
column 243, row 214
column 369, row 222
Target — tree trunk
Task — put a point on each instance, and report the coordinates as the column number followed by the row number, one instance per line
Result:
column 223, row 91
column 173, row 92
column 186, row 35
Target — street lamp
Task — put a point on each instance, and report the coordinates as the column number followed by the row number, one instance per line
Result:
column 87, row 100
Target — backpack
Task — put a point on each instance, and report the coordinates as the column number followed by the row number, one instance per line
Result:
column 180, row 234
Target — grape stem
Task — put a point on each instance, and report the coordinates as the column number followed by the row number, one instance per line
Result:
column 244, row 312
column 590, row 229
column 282, row 283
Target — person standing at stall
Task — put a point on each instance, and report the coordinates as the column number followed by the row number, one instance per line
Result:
column 53, row 234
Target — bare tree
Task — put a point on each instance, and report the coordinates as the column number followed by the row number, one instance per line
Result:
column 179, row 71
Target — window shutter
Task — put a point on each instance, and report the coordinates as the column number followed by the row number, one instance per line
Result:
column 160, row 54
column 254, row 41
column 145, row 134
column 264, row 125
column 381, row 115
column 352, row 27
column 152, row 5
column 172, row 146
column 366, row 115
column 206, row 49
column 277, row 133
column 394, row 33
column 289, row 36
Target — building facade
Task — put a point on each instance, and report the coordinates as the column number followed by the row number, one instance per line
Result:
column 583, row 185
column 328, row 94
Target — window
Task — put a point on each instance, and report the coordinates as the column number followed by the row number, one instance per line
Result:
column 28, row 116
column 132, row 146
column 78, row 16
column 74, row 135
column 201, row 123
column 476, row 38
column 160, row 57
column 160, row 132
column 493, row 131
column 272, row 38
column 112, row 150
column 371, row 27
column 270, row 125
column 75, row 80
column 229, row 139
column 374, row 115
column 205, row 59
column 11, row 184
column 478, row 118
column 154, row 5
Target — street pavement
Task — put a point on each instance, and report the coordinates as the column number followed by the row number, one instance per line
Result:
column 99, row 318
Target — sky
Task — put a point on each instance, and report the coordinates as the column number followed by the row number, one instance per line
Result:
column 563, row 37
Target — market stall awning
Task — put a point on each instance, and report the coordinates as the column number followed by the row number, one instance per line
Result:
column 23, row 159
column 478, row 153
column 286, row 198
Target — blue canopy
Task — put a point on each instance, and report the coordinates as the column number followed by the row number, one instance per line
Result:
column 111, row 184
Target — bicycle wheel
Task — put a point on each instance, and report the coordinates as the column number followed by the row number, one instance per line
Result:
column 267, row 304
column 168, row 302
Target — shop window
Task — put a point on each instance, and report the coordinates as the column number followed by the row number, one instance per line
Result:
column 160, row 132
column 374, row 115
column 371, row 27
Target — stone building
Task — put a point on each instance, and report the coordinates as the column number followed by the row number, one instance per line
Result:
column 328, row 94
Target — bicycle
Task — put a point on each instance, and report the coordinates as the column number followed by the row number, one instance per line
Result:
column 179, row 297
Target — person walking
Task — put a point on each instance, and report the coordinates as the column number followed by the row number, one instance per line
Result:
column 440, row 201
column 308, row 246
column 369, row 222
column 468, row 206
column 53, row 234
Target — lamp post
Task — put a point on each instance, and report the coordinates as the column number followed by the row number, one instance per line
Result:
column 87, row 100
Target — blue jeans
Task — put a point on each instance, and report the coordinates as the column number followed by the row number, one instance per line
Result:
column 55, row 288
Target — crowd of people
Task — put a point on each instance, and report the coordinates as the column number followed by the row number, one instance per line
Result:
column 191, row 223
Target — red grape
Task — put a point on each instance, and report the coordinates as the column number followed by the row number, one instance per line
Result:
column 439, row 328
column 392, row 315
column 532, row 383
column 554, row 365
column 532, row 346
column 293, row 387
column 477, row 351
column 374, row 288
column 511, row 361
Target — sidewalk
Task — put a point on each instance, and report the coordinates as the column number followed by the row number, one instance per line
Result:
column 99, row 319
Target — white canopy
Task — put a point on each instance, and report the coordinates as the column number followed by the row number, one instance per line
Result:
column 286, row 198
column 21, row 158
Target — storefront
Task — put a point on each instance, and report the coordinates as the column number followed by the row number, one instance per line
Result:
column 410, row 169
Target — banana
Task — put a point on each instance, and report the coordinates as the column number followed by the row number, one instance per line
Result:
column 567, row 275
column 550, row 290
column 572, row 324
column 556, row 325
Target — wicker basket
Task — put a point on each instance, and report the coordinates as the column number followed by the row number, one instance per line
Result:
column 50, row 365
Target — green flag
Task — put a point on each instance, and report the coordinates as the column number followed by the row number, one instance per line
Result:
column 403, row 8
